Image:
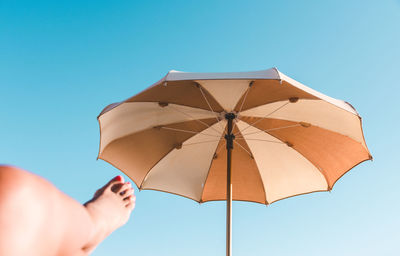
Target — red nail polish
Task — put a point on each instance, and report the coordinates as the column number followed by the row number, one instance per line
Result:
column 119, row 178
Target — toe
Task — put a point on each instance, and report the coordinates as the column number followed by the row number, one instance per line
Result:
column 125, row 187
column 130, row 202
column 118, row 178
column 113, row 181
column 114, row 186
column 127, row 193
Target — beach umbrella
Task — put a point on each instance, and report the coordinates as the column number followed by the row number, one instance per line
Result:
column 250, row 136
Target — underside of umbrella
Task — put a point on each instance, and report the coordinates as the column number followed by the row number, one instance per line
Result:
column 178, row 137
column 288, row 139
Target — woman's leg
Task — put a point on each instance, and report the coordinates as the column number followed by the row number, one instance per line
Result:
column 38, row 219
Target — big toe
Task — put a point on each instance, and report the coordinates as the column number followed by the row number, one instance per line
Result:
column 114, row 181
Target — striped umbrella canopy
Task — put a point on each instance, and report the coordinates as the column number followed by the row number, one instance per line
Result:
column 251, row 136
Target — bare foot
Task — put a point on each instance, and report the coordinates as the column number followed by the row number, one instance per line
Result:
column 109, row 209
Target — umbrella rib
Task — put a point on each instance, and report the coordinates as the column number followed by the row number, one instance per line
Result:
column 258, row 171
column 273, row 129
column 220, row 148
column 186, row 114
column 200, row 142
column 209, row 105
column 241, row 106
column 187, row 131
column 244, row 99
column 252, row 124
column 250, row 154
column 278, row 142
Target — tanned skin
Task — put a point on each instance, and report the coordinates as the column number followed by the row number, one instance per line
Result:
column 37, row 219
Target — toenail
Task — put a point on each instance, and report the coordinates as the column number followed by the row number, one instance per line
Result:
column 119, row 178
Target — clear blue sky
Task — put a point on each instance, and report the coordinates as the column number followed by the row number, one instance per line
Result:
column 61, row 62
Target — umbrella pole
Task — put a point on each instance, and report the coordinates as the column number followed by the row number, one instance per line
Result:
column 229, row 146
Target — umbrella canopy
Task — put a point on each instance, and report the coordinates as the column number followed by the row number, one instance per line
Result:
column 288, row 138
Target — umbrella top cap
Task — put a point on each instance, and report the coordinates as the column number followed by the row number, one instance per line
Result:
column 174, row 75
